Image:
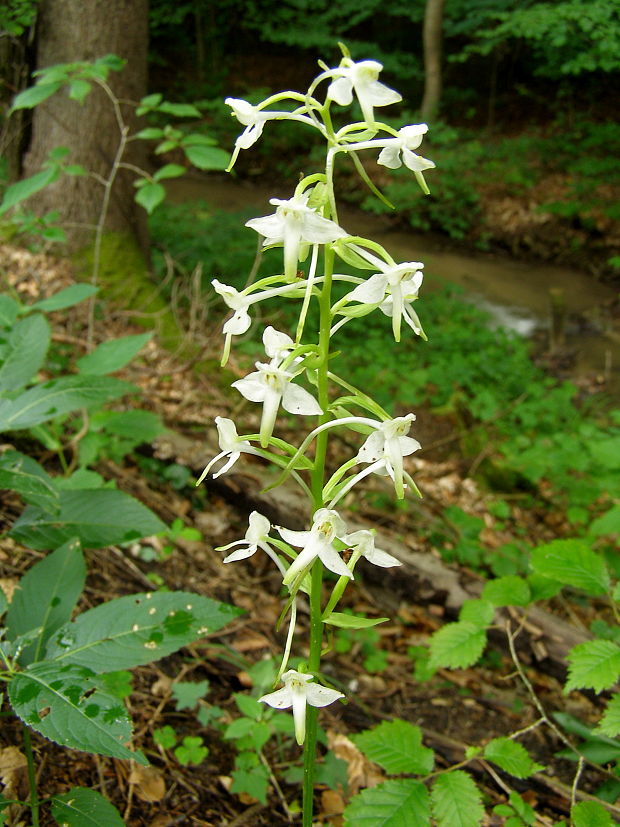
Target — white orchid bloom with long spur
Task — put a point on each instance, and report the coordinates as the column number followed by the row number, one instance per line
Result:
column 397, row 151
column 295, row 223
column 327, row 526
column 361, row 78
column 257, row 536
column 298, row 691
column 231, row 447
column 363, row 544
column 273, row 387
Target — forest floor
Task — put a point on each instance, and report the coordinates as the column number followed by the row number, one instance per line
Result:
column 455, row 709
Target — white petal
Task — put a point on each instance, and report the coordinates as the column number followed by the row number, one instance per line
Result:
column 252, row 386
column 240, row 554
column 317, row 695
column 280, row 699
column 259, row 527
column 242, row 110
column 416, row 163
column 341, row 91
column 275, row 342
column 372, row 449
column 234, row 456
column 227, row 433
column 407, row 445
column 238, row 323
column 271, row 226
column 297, row 400
column 372, row 291
column 319, row 230
column 333, row 561
column 378, row 94
column 412, row 135
column 298, row 694
column 378, row 557
column 390, row 155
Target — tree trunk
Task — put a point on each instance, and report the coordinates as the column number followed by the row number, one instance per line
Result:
column 433, row 19
column 76, row 30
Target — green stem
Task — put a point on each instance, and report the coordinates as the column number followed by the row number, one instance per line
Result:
column 32, row 778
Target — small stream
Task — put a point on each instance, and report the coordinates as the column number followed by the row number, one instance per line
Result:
column 515, row 293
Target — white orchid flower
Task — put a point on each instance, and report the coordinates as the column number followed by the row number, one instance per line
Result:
column 298, row 691
column 256, row 537
column 231, row 445
column 385, row 448
column 397, row 151
column 393, row 289
column 327, row 526
column 277, row 345
column 361, row 78
column 363, row 544
column 295, row 223
column 273, row 387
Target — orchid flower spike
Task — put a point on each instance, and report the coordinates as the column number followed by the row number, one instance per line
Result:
column 295, row 223
column 297, row 692
column 361, row 78
column 386, row 447
column 363, row 544
column 240, row 321
column 273, row 387
column 231, row 445
column 256, row 537
column 327, row 526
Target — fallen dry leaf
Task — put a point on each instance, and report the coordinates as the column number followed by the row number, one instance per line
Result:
column 148, row 782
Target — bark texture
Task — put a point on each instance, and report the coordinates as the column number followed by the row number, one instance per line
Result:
column 76, row 30
column 432, row 38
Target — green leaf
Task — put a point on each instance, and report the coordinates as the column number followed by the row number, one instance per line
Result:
column 9, row 310
column 165, row 736
column 137, row 629
column 590, row 814
column 25, row 476
column 68, row 297
column 207, row 157
column 395, row 803
column 25, row 352
column 250, row 776
column 112, row 354
column 35, row 95
column 249, row 706
column 46, row 597
column 478, row 612
column 135, row 425
column 169, row 171
column 456, row 801
column 81, row 807
column 191, row 751
column 347, row 621
column 150, row 196
column 151, row 133
column 79, row 89
column 23, row 189
column 610, row 722
column 187, row 693
column 457, row 645
column 98, row 517
column 63, row 703
column 511, row 757
column 606, row 524
column 397, row 747
column 507, row 591
column 59, row 396
column 179, row 110
column 572, row 563
column 594, row 664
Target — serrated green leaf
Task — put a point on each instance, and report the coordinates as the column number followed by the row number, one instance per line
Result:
column 478, row 612
column 63, row 703
column 46, row 597
column 169, row 171
column 347, row 621
column 610, row 722
column 59, row 396
column 137, row 629
column 590, row 814
column 251, row 777
column 24, row 352
column 150, row 196
column 249, row 706
column 23, row 189
column 594, row 664
column 510, row 590
column 187, row 693
column 113, row 354
column 395, row 803
column 68, row 297
column 607, row 524
column 457, row 645
column 35, row 95
column 81, row 807
column 397, row 747
column 572, row 563
column 511, row 757
column 456, row 800
column 207, row 157
column 97, row 517
column 24, row 475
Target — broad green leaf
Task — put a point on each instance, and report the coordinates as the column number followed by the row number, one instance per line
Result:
column 198, row 139
column 607, row 523
column 249, row 706
column 590, row 814
column 3, row 602
column 81, row 807
column 98, row 517
column 136, row 425
column 346, row 621
column 594, row 664
column 35, row 95
column 24, row 475
column 62, row 702
column 68, row 297
column 9, row 310
column 169, row 171
column 25, row 352
column 397, row 747
column 137, row 629
column 23, row 189
column 207, row 157
column 507, row 591
column 456, row 800
column 457, row 645
column 395, row 803
column 179, row 110
column 150, row 196
column 151, row 133
column 187, row 693
column 79, row 89
column 542, row 588
column 572, row 563
column 112, row 354
column 59, row 396
column 478, row 612
column 511, row 757
column 46, row 597
column 610, row 722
